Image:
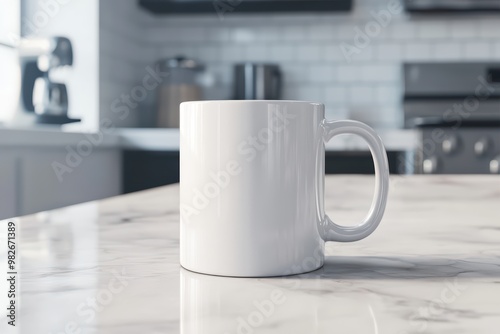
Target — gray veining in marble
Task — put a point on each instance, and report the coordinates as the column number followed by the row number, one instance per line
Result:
column 111, row 266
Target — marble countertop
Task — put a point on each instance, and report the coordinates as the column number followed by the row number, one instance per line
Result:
column 112, row 266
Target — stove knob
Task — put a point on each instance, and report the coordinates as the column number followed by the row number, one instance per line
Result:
column 495, row 165
column 450, row 145
column 481, row 147
column 429, row 165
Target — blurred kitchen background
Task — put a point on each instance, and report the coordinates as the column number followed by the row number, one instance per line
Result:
column 89, row 89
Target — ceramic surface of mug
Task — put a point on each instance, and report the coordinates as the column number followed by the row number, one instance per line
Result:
column 252, row 187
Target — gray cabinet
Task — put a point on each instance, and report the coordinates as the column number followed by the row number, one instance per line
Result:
column 8, row 179
column 29, row 182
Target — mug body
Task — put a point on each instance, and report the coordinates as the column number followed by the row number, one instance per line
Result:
column 251, row 184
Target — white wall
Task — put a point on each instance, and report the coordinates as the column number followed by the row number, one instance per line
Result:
column 79, row 21
column 9, row 74
column 308, row 49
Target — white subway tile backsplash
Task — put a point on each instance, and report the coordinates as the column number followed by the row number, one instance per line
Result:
column 403, row 30
column 257, row 53
column 309, row 52
column 388, row 94
column 270, row 33
column 335, row 94
column 447, row 51
column 191, row 34
column 308, row 49
column 209, row 53
column 389, row 51
column 348, row 73
column 433, row 30
column 232, row 53
column 364, row 54
column 477, row 50
column 333, row 53
column 294, row 33
column 242, row 35
column 321, row 33
column 321, row 73
column 379, row 73
column 361, row 95
column 159, row 35
column 489, row 28
column 348, row 32
column 305, row 92
column 189, row 51
column 417, row 51
column 464, row 29
column 223, row 73
column 217, row 34
column 293, row 73
column 280, row 53
column 496, row 51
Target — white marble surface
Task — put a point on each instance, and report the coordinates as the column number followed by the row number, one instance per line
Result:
column 433, row 266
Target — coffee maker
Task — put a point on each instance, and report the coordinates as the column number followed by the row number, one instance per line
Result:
column 43, row 101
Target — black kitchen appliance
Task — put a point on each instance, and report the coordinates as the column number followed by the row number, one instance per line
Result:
column 457, row 108
column 243, row 6
column 41, row 97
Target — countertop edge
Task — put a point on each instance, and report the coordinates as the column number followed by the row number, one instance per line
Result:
column 168, row 139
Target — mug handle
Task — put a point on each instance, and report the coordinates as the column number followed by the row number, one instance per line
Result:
column 328, row 229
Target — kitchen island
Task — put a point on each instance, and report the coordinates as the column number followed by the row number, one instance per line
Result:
column 112, row 266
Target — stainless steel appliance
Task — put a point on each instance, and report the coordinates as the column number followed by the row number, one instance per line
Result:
column 47, row 100
column 457, row 108
column 253, row 81
column 179, row 86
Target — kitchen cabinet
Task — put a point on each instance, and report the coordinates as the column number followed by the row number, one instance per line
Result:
column 29, row 183
column 96, row 177
column 8, row 178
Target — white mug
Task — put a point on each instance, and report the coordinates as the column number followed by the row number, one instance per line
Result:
column 252, row 187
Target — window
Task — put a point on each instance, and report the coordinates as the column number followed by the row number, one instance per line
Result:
column 10, row 22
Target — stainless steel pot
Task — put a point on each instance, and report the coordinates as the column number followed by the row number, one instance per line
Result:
column 253, row 81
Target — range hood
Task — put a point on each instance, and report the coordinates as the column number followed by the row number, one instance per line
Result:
column 243, row 6
column 439, row 6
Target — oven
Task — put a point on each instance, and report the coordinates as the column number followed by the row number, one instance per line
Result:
column 457, row 108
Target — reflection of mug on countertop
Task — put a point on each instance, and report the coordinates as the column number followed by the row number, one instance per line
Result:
column 227, row 305
column 252, row 187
